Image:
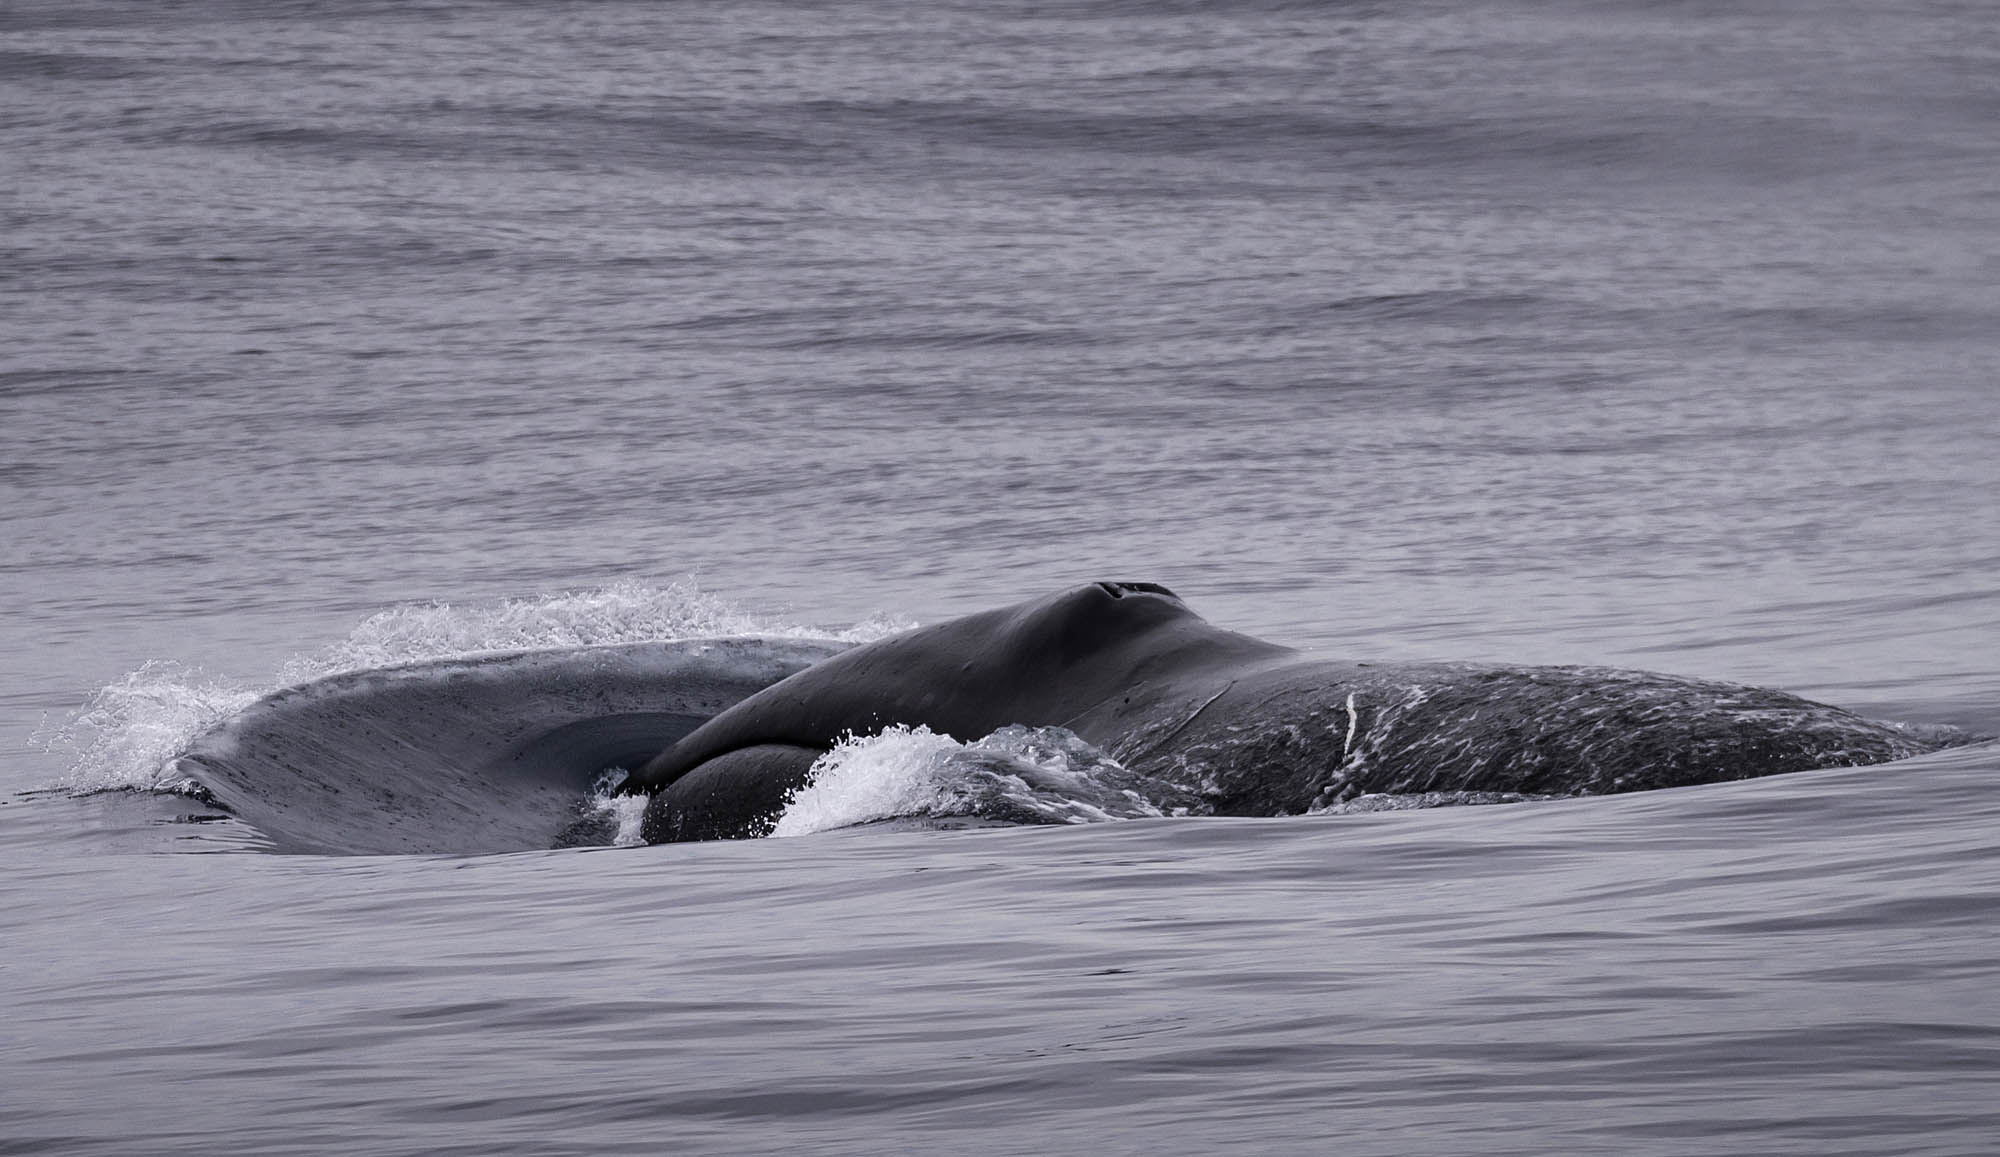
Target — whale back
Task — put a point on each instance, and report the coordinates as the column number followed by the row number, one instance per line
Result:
column 1045, row 661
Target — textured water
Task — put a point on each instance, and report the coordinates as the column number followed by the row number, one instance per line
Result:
column 1650, row 335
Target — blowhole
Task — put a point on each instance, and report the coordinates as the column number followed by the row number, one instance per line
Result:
column 1120, row 590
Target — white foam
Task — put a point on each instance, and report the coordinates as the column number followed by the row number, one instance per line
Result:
column 1017, row 774
column 902, row 771
column 127, row 736
column 623, row 612
column 627, row 811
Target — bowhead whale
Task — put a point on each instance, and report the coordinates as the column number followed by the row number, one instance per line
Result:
column 1239, row 725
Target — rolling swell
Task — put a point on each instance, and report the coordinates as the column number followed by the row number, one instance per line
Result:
column 469, row 755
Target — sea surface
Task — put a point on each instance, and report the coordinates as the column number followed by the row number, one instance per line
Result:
column 1647, row 333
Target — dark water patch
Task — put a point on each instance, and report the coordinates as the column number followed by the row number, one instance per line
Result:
column 898, row 336
column 28, row 383
column 250, row 264
column 16, row 65
column 1456, row 307
column 336, row 142
column 1276, row 129
column 1976, row 909
column 1904, row 972
column 1122, row 10
column 1832, row 1134
column 1873, row 323
column 671, row 135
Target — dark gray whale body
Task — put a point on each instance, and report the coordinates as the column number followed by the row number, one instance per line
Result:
column 1242, row 726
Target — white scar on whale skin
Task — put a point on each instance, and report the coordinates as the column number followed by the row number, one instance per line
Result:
column 1353, row 720
column 1195, row 714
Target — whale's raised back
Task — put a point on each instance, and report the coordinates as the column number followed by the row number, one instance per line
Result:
column 1040, row 661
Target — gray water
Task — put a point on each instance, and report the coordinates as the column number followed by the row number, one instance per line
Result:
column 1651, row 335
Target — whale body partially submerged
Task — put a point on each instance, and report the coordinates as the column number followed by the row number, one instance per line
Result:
column 1240, row 726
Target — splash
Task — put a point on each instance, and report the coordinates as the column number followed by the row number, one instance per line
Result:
column 127, row 736
column 1023, row 775
column 606, row 819
column 623, row 612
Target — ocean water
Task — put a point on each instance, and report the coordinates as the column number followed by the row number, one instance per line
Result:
column 336, row 336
